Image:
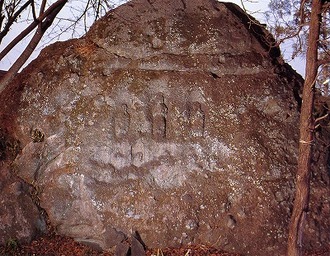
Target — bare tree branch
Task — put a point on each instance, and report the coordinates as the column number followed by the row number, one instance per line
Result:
column 34, row 15
column 48, row 18
column 12, row 19
column 2, row 17
column 40, row 22
column 323, row 61
column 32, row 26
column 42, row 7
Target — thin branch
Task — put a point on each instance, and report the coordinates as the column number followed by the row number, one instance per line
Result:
column 52, row 12
column 323, row 61
column 84, row 14
column 1, row 15
column 42, row 7
column 32, row 26
column 301, row 11
column 12, row 19
column 317, row 120
column 34, row 15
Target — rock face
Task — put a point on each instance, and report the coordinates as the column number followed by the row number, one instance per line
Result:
column 171, row 118
column 20, row 218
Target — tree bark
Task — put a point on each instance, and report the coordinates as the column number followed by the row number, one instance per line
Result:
column 300, row 207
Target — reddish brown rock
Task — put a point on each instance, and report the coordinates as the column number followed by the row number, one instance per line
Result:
column 172, row 118
column 20, row 219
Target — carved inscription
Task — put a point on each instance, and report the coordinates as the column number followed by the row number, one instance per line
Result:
column 134, row 121
column 196, row 120
column 159, row 115
column 140, row 123
column 122, row 121
column 141, row 130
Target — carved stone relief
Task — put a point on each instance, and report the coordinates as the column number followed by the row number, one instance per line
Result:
column 196, row 119
column 122, row 121
column 159, row 116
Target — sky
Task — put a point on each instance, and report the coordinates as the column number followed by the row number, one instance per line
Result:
column 254, row 8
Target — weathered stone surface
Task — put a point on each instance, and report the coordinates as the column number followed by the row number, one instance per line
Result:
column 20, row 218
column 172, row 118
column 319, row 210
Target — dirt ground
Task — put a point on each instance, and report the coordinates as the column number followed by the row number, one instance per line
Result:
column 55, row 245
column 59, row 246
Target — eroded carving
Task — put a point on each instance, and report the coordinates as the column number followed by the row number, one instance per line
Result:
column 140, row 125
column 179, row 122
column 196, row 119
column 122, row 121
column 159, row 116
column 158, row 121
column 138, row 153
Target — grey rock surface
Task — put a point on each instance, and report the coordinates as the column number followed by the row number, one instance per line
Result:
column 172, row 118
column 20, row 218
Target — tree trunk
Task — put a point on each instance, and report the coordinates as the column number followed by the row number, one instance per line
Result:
column 301, row 202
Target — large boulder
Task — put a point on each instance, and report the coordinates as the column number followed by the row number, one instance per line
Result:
column 176, row 119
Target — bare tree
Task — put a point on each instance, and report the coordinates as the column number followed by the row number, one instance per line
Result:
column 307, row 124
column 43, row 21
column 40, row 15
column 306, row 22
